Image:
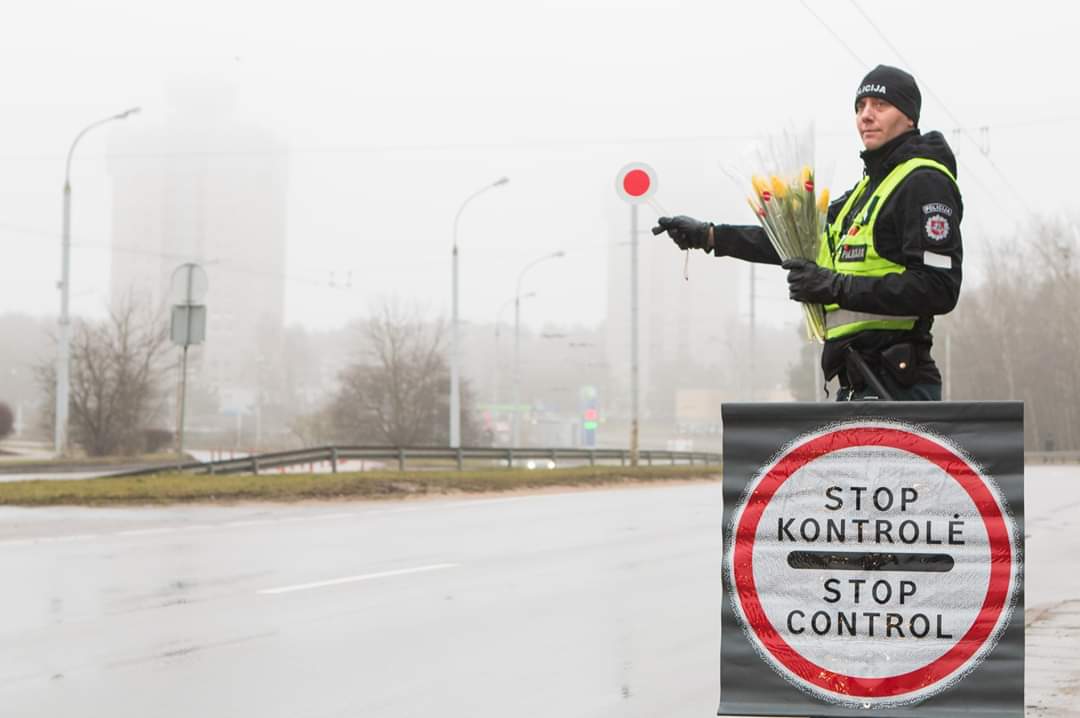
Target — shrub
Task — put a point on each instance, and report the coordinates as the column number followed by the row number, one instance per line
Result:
column 7, row 420
column 154, row 440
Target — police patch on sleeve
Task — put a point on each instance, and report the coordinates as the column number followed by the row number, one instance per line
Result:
column 937, row 208
column 937, row 228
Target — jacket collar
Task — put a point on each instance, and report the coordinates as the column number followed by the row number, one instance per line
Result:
column 879, row 162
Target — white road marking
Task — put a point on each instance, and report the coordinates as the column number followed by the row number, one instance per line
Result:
column 484, row 502
column 49, row 539
column 467, row 504
column 147, row 532
column 72, row 537
column 353, row 579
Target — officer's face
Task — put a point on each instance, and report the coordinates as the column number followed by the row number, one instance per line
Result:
column 879, row 121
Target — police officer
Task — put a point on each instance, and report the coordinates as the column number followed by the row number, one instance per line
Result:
column 891, row 256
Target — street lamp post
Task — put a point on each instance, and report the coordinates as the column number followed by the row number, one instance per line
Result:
column 455, row 344
column 63, row 363
column 516, row 436
column 498, row 333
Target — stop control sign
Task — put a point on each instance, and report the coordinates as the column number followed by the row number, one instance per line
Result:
column 872, row 564
column 635, row 182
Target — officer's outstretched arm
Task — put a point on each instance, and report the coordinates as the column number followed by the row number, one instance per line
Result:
column 723, row 240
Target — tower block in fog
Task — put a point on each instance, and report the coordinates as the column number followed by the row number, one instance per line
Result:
column 198, row 184
column 683, row 324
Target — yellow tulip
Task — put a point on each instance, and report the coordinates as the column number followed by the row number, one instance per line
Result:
column 823, row 200
column 778, row 187
column 760, row 185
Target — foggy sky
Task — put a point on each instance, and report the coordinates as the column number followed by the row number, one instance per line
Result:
column 394, row 113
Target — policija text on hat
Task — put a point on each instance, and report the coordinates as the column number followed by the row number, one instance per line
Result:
column 891, row 256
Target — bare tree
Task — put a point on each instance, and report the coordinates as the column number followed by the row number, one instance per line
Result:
column 7, row 420
column 1017, row 335
column 118, row 370
column 316, row 428
column 398, row 393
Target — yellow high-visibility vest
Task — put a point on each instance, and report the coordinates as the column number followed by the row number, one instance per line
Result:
column 854, row 252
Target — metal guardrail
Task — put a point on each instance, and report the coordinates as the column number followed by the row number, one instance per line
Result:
column 402, row 455
column 1051, row 457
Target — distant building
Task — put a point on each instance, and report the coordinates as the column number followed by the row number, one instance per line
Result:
column 681, row 322
column 201, row 186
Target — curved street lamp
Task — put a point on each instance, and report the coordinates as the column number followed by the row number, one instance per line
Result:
column 517, row 342
column 63, row 363
column 455, row 358
column 498, row 333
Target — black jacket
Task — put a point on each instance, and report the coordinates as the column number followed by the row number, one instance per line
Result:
column 918, row 227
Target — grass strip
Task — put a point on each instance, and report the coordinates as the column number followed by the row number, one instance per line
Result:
column 178, row 488
column 21, row 464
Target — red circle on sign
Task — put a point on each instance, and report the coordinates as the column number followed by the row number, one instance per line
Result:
column 636, row 182
column 997, row 593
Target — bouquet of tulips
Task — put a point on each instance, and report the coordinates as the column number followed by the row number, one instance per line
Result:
column 794, row 221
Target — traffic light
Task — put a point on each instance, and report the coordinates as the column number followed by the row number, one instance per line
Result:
column 590, row 416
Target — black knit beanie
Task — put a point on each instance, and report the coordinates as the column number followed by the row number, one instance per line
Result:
column 895, row 86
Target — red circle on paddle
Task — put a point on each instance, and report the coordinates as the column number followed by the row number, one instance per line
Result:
column 636, row 182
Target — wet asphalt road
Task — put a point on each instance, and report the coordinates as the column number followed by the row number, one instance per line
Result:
column 591, row 603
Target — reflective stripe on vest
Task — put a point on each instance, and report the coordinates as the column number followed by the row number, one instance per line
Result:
column 854, row 253
column 843, row 317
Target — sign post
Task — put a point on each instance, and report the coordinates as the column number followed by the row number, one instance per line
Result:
column 873, row 559
column 635, row 183
column 188, row 326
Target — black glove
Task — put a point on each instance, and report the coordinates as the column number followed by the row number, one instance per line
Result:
column 810, row 283
column 687, row 232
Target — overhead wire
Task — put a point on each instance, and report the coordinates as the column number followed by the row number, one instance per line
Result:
column 511, row 145
column 339, row 279
column 959, row 125
column 124, row 249
column 969, row 170
column 832, row 32
column 537, row 143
